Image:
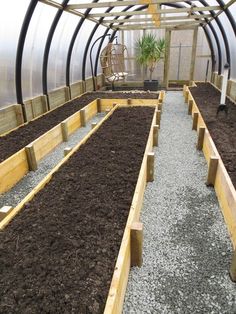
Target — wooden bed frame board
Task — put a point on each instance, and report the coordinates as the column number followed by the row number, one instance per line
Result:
column 224, row 188
column 119, row 281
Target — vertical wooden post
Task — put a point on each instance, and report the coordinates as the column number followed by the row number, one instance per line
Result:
column 4, row 211
column 129, row 101
column 190, row 106
column 184, row 90
column 186, row 96
column 30, row 153
column 107, row 111
column 201, row 133
column 159, row 105
column 82, row 117
column 64, row 130
column 193, row 56
column 93, row 125
column 136, row 239
column 67, row 150
column 232, row 271
column 150, row 167
column 19, row 114
column 212, row 169
column 44, row 102
column 167, row 58
column 155, row 135
column 195, row 120
column 99, row 108
column 158, row 117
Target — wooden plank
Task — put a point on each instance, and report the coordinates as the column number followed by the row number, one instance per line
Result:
column 8, row 119
column 93, row 125
column 136, row 235
column 108, row 103
column 150, row 167
column 12, row 170
column 19, row 114
column 193, row 55
column 30, row 152
column 201, row 133
column 47, row 142
column 73, row 122
column 76, row 89
column 99, row 109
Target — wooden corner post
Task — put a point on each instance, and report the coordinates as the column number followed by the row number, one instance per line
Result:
column 190, row 106
column 155, row 135
column 167, row 58
column 136, row 238
column 150, row 167
column 200, row 139
column 212, row 169
column 64, row 130
column 232, row 271
column 158, row 117
column 82, row 117
column 195, row 121
column 99, row 108
column 31, row 157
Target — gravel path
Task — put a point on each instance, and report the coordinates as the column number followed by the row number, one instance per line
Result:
column 187, row 250
column 23, row 187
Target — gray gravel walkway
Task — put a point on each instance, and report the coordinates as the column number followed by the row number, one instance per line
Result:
column 187, row 250
column 23, row 187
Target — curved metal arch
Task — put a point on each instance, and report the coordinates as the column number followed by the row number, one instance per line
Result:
column 19, row 54
column 226, row 43
column 48, row 45
column 229, row 15
column 113, row 34
column 89, row 42
column 72, row 42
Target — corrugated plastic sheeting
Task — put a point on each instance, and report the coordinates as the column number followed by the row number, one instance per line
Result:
column 11, row 18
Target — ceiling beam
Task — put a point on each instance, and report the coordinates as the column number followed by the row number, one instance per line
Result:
column 116, row 4
column 163, row 18
column 171, row 11
column 153, row 24
column 177, row 27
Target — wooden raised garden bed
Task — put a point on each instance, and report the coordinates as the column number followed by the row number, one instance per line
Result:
column 71, row 245
column 25, row 146
column 216, row 138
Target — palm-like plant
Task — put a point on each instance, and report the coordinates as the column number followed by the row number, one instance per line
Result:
column 150, row 50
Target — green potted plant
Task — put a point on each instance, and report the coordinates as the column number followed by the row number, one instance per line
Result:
column 150, row 50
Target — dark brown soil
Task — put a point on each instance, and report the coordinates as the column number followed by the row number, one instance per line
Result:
column 26, row 134
column 58, row 254
column 222, row 128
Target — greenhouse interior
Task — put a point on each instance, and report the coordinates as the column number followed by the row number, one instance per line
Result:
column 118, row 156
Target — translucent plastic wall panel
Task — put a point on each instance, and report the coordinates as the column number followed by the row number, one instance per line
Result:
column 215, row 50
column 232, row 39
column 59, row 49
column 180, row 54
column 78, row 51
column 222, row 45
column 100, row 32
column 12, row 14
column 34, row 50
column 135, row 71
column 203, row 58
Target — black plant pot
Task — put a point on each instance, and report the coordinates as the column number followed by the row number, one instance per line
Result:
column 150, row 85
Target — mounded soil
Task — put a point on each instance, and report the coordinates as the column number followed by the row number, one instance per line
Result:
column 58, row 254
column 16, row 140
column 222, row 127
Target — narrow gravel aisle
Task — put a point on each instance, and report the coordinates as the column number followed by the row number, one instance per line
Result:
column 187, row 250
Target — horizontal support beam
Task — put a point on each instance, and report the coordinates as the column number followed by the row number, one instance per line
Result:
column 192, row 17
column 116, row 4
column 159, row 11
column 147, row 25
column 170, row 27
